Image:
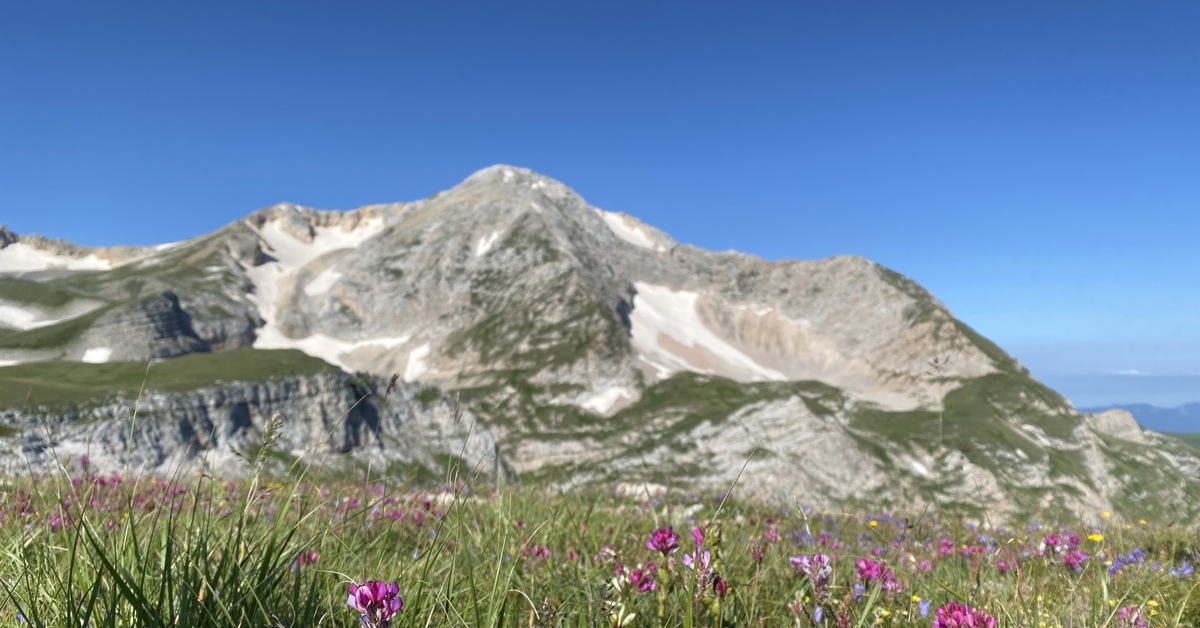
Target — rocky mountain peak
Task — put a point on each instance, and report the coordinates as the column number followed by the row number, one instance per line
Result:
column 589, row 343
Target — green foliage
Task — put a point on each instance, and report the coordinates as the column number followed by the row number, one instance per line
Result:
column 34, row 293
column 59, row 384
column 427, row 395
column 1193, row 440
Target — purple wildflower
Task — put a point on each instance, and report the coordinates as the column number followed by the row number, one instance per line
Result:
column 1131, row 617
column 644, row 579
column 1074, row 560
column 376, row 601
column 955, row 615
column 663, row 540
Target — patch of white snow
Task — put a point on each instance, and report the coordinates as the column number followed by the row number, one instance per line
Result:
column 22, row 318
column 97, row 355
column 21, row 257
column 629, row 230
column 9, row 362
column 604, row 401
column 322, row 283
column 416, row 363
column 17, row 317
column 290, row 255
column 667, row 331
column 485, row 244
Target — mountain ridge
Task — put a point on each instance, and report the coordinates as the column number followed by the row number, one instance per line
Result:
column 584, row 340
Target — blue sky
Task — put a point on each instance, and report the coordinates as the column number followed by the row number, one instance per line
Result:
column 1035, row 165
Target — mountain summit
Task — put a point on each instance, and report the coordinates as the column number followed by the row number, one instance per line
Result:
column 592, row 347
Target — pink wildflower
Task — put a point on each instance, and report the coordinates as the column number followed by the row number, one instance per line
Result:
column 376, row 601
column 663, row 540
column 1131, row 617
column 643, row 579
column 720, row 587
column 955, row 615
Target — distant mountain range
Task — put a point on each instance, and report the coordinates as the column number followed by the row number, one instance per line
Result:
column 533, row 334
column 1183, row 419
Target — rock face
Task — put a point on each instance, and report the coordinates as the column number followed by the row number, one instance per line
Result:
column 330, row 420
column 156, row 328
column 595, row 348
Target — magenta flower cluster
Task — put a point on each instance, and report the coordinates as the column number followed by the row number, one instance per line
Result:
column 869, row 570
column 376, row 601
column 663, row 540
column 955, row 615
column 1131, row 617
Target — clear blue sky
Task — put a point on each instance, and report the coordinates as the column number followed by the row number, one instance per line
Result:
column 1036, row 165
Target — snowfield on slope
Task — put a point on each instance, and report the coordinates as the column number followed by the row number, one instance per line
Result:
column 670, row 337
column 291, row 255
column 21, row 257
column 629, row 230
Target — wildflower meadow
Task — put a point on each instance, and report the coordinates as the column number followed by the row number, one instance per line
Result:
column 86, row 549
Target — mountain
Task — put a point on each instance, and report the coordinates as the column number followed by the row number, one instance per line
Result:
column 1183, row 419
column 582, row 345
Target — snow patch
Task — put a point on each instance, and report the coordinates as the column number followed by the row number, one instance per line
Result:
column 920, row 469
column 325, row 347
column 290, row 255
column 669, row 335
column 20, row 318
column 16, row 316
column 629, row 230
column 416, row 363
column 604, row 401
column 9, row 362
column 21, row 257
column 485, row 244
column 508, row 175
column 97, row 355
column 322, row 283
column 168, row 245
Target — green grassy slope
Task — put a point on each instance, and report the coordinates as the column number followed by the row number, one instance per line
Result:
column 59, row 384
column 1191, row 439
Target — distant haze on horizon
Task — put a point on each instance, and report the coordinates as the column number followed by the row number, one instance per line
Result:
column 1034, row 166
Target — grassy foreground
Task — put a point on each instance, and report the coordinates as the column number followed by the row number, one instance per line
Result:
column 85, row 549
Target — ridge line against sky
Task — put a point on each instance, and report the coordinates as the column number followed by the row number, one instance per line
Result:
column 1035, row 167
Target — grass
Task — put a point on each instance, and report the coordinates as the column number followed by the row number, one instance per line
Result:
column 114, row 551
column 1191, row 439
column 62, row 384
column 34, row 293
